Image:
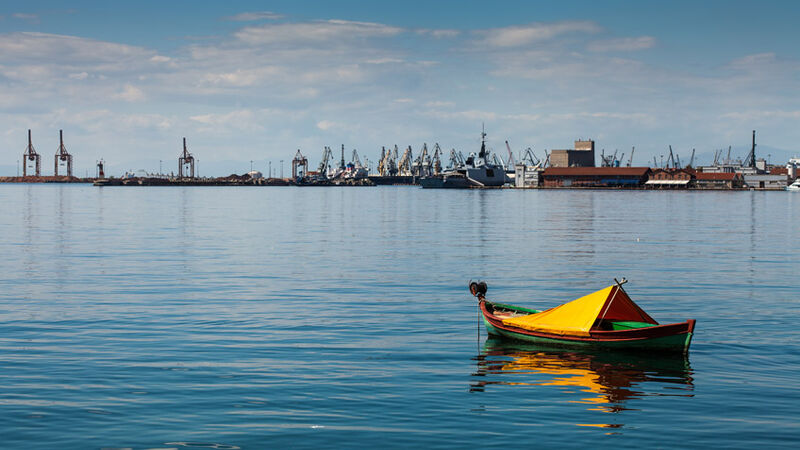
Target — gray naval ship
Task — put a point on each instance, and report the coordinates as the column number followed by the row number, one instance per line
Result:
column 476, row 172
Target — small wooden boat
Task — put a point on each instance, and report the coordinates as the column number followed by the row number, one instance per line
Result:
column 607, row 318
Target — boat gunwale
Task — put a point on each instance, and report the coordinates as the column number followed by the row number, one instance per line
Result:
column 596, row 336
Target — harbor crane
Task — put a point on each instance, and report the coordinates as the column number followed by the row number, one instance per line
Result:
column 387, row 166
column 456, row 159
column 630, row 159
column 186, row 160
column 608, row 160
column 382, row 162
column 404, row 164
column 62, row 155
column 510, row 161
column 529, row 158
column 421, row 166
column 750, row 161
column 356, row 160
column 671, row 158
column 31, row 155
column 325, row 163
column 391, row 165
column 427, row 162
column 691, row 160
column 299, row 166
column 437, row 159
column 498, row 161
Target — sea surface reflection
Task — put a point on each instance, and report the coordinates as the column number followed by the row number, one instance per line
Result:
column 186, row 317
column 600, row 381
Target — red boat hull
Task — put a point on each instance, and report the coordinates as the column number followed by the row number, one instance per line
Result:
column 673, row 337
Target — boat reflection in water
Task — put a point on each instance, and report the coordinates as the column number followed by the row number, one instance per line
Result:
column 604, row 381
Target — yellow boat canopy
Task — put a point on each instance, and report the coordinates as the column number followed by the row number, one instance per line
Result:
column 577, row 317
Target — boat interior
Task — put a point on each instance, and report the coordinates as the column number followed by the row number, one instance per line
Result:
column 503, row 312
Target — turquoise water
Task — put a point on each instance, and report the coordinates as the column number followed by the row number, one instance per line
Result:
column 252, row 317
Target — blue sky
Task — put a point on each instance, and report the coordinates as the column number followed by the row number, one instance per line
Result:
column 258, row 80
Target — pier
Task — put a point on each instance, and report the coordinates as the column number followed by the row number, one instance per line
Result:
column 558, row 169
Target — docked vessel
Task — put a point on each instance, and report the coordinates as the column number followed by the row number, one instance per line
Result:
column 476, row 172
column 794, row 186
column 452, row 179
column 608, row 318
column 354, row 171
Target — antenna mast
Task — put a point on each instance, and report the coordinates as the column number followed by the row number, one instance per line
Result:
column 482, row 154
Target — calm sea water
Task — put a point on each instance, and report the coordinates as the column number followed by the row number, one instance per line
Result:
column 252, row 317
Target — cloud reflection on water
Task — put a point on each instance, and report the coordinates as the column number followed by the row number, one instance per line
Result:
column 603, row 381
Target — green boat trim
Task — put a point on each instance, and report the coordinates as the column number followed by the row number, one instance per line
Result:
column 673, row 342
column 610, row 334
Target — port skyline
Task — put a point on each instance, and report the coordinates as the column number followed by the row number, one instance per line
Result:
column 232, row 80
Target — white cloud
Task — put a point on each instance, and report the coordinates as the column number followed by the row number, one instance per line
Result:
column 517, row 36
column 27, row 73
column 470, row 115
column 750, row 61
column 355, row 81
column 325, row 125
column 543, row 117
column 243, row 77
column 70, row 51
column 254, row 16
column 329, row 32
column 439, row 33
column 307, row 92
column 240, row 119
column 439, row 104
column 384, row 61
column 146, row 121
column 540, row 64
column 622, row 44
column 758, row 115
column 33, row 18
column 764, row 64
column 130, row 93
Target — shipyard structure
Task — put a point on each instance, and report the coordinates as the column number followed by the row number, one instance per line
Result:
column 32, row 165
column 577, row 167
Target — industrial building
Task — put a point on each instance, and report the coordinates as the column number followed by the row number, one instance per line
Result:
column 670, row 179
column 526, row 176
column 766, row 181
column 726, row 180
column 581, row 156
column 564, row 177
